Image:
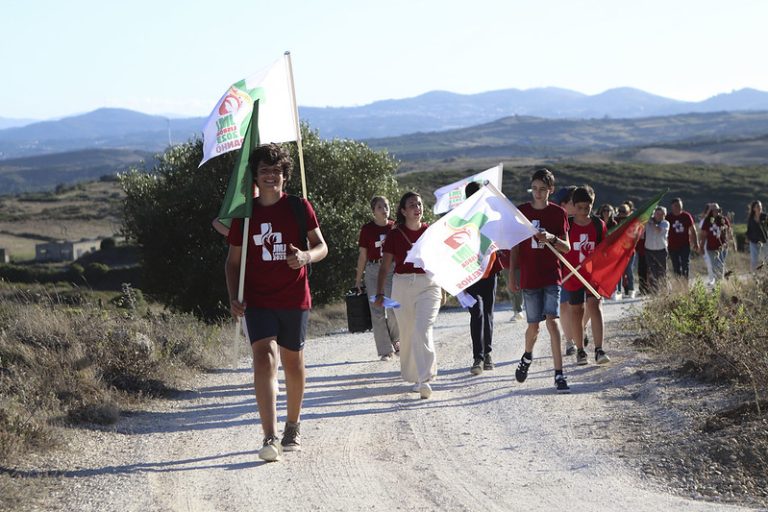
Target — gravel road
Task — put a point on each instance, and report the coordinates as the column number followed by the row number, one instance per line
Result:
column 484, row 443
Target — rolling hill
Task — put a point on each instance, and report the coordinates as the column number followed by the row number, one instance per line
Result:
column 45, row 172
column 522, row 136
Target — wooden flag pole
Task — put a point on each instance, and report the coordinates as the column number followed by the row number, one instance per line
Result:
column 241, row 281
column 573, row 270
column 298, row 126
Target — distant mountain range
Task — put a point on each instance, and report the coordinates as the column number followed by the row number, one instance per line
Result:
column 430, row 112
column 524, row 136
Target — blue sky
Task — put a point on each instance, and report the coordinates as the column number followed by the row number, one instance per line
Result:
column 60, row 58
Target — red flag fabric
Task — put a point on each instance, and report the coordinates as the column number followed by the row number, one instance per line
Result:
column 605, row 266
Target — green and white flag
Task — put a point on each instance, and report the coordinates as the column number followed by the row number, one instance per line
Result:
column 225, row 128
column 459, row 248
column 450, row 196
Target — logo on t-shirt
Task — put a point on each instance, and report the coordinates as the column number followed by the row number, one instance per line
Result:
column 272, row 246
column 678, row 227
column 379, row 244
column 584, row 246
column 715, row 230
column 535, row 244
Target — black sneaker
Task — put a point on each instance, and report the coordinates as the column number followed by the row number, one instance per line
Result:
column 600, row 357
column 522, row 369
column 477, row 367
column 291, row 437
column 586, row 340
column 561, row 384
column 581, row 357
column 488, row 362
column 570, row 348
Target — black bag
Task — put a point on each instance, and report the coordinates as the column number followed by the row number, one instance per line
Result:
column 358, row 311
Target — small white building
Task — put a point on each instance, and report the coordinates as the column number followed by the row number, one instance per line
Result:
column 65, row 250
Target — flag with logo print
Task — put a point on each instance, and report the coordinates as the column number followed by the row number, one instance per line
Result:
column 451, row 196
column 225, row 128
column 459, row 249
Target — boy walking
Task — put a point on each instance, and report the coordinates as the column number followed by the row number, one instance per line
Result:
column 584, row 238
column 277, row 300
column 540, row 275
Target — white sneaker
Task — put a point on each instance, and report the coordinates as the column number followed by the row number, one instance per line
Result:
column 416, row 388
column 271, row 450
column 425, row 390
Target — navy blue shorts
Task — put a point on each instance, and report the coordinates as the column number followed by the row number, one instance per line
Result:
column 287, row 326
column 580, row 296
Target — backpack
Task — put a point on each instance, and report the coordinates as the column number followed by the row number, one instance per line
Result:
column 598, row 223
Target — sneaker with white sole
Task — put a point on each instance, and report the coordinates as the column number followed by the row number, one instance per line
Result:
column 271, row 450
column 561, row 384
column 581, row 358
column 600, row 357
column 388, row 357
column 522, row 369
column 477, row 367
column 425, row 390
column 488, row 362
column 291, row 437
column 570, row 348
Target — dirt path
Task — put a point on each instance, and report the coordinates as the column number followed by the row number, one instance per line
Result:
column 480, row 443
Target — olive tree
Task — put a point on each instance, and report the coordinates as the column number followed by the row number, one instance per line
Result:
column 168, row 213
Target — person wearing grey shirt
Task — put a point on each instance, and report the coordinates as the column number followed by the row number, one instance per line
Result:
column 656, row 233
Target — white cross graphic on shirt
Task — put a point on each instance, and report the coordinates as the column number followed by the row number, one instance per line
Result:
column 267, row 239
column 583, row 245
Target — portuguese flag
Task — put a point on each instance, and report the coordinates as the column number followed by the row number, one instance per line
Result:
column 605, row 266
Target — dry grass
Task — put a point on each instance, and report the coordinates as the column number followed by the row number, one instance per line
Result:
column 63, row 364
column 719, row 333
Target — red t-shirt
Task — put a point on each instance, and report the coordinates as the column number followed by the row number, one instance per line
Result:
column 679, row 227
column 372, row 237
column 583, row 240
column 398, row 247
column 539, row 267
column 269, row 281
column 715, row 232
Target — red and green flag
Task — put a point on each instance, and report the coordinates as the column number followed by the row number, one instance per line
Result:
column 605, row 266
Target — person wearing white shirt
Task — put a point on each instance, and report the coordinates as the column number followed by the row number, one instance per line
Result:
column 656, row 233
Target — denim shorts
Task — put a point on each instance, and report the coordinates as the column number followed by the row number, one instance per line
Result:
column 541, row 303
column 287, row 326
column 565, row 295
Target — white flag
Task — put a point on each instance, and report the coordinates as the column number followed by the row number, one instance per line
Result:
column 225, row 128
column 451, row 196
column 457, row 249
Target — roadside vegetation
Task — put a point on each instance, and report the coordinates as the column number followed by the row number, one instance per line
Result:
column 716, row 338
column 70, row 356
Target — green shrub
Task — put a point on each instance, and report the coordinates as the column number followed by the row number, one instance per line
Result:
column 718, row 333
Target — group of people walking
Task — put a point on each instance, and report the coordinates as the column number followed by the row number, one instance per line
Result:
column 284, row 238
column 676, row 235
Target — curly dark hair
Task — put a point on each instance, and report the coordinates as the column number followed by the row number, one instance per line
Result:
column 272, row 154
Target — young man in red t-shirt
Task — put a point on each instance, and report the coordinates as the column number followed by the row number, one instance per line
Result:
column 540, row 274
column 583, row 238
column 276, row 293
column 682, row 237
